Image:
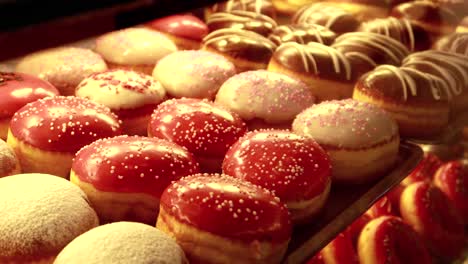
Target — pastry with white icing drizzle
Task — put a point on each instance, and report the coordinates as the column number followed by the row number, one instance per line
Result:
column 247, row 20
column 453, row 43
column 302, row 34
column 264, row 7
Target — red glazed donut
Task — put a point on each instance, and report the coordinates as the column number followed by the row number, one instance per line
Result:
column 16, row 90
column 434, row 217
column 130, row 95
column 293, row 167
column 425, row 170
column 9, row 163
column 388, row 240
column 46, row 133
column 204, row 128
column 340, row 251
column 452, row 179
column 355, row 228
column 221, row 219
column 124, row 177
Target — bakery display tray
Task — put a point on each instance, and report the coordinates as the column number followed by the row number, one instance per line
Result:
column 345, row 204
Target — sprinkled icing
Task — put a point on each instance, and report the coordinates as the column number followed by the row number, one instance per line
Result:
column 258, row 6
column 302, row 34
column 134, row 46
column 127, row 241
column 272, row 97
column 346, row 124
column 240, row 19
column 200, row 73
column 63, row 123
column 454, row 43
column 8, row 160
column 228, row 207
column 184, row 26
column 132, row 164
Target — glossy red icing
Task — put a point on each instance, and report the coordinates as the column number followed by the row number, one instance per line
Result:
column 201, row 126
column 185, row 26
column 294, row 167
column 340, row 250
column 63, row 124
column 145, row 110
column 228, row 207
column 132, row 164
column 18, row 89
column 394, row 195
column 425, row 169
column 354, row 229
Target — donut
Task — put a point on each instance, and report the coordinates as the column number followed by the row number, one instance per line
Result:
column 430, row 212
column 463, row 25
column 41, row 214
column 46, row 133
column 246, row 20
column 264, row 7
column 452, row 179
column 129, row 242
column 356, row 227
column 340, row 250
column 16, row 90
column 425, row 169
column 302, row 34
column 9, row 164
column 220, row 219
column 63, row 67
column 459, row 7
column 186, row 31
column 265, row 99
column 247, row 50
column 325, row 14
column 394, row 196
column 199, row 73
column 361, row 139
column 413, row 36
column 137, row 49
column 382, row 207
column 388, row 239
column 434, row 18
column 204, row 128
column 293, row 167
column 132, row 96
column 418, row 101
column 454, row 43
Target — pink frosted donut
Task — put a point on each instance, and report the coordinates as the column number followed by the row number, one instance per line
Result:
column 199, row 73
column 265, row 99
column 41, row 214
column 130, row 95
column 63, row 67
column 9, row 164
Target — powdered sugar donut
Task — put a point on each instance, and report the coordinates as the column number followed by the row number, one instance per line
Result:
column 265, row 99
column 361, row 139
column 41, row 214
column 9, row 164
column 63, row 67
column 130, row 95
column 199, row 73
column 129, row 242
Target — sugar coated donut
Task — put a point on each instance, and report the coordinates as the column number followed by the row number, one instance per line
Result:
column 425, row 170
column 16, row 90
column 63, row 67
column 265, row 99
column 199, row 73
column 430, row 212
column 207, row 130
column 247, row 20
column 221, row 219
column 293, row 167
column 124, row 176
column 389, row 240
column 132, row 96
column 361, row 139
column 41, row 215
column 46, row 133
column 9, row 163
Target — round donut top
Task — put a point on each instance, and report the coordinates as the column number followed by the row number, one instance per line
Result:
column 315, row 58
column 302, row 34
column 229, row 207
column 121, row 89
column 63, row 123
column 201, row 126
column 240, row 19
column 454, row 43
column 293, row 167
column 452, row 176
column 404, row 84
column 200, row 73
column 18, row 89
column 8, row 160
column 134, row 46
column 258, row 6
column 346, row 124
column 426, row 12
column 127, row 241
column 328, row 15
column 62, row 67
column 40, row 215
column 402, row 30
column 273, row 97
column 184, row 26
column 240, row 43
column 133, row 164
